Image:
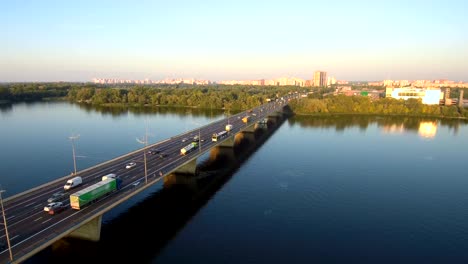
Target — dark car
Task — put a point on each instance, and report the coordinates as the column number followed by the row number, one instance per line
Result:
column 53, row 205
column 56, row 197
column 57, row 209
column 154, row 151
column 162, row 155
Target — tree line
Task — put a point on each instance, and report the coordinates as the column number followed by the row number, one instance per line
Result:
column 231, row 97
column 342, row 104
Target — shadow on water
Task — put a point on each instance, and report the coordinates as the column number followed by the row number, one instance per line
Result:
column 138, row 234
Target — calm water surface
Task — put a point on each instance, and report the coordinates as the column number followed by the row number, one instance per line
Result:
column 318, row 190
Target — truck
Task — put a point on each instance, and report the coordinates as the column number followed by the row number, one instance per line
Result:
column 228, row 127
column 111, row 175
column 188, row 148
column 72, row 183
column 91, row 193
column 245, row 119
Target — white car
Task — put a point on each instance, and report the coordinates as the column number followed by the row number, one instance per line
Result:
column 130, row 165
column 52, row 206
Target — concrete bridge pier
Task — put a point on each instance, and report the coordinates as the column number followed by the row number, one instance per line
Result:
column 189, row 181
column 188, row 168
column 229, row 142
column 272, row 119
column 248, row 136
column 89, row 231
column 249, row 128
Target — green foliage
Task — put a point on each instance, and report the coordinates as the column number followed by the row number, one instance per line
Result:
column 16, row 92
column 342, row 104
column 209, row 96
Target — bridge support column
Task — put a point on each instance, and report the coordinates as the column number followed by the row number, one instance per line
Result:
column 272, row 119
column 248, row 136
column 229, row 142
column 250, row 128
column 90, row 231
column 188, row 168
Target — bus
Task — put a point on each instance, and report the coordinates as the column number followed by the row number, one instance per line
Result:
column 188, row 148
column 219, row 135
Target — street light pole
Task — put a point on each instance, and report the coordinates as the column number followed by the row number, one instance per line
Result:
column 199, row 140
column 72, row 138
column 199, row 135
column 5, row 224
column 145, row 142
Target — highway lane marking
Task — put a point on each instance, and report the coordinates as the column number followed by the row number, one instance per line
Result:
column 38, row 219
column 14, row 237
column 47, row 220
column 29, row 204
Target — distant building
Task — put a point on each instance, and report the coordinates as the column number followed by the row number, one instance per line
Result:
column 375, row 83
column 331, row 81
column 320, row 79
column 429, row 96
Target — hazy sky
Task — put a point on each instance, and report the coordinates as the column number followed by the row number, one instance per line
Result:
column 240, row 39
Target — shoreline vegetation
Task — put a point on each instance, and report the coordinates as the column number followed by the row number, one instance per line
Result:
column 226, row 97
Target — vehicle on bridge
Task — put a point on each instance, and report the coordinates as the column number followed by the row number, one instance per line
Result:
column 219, row 135
column 130, row 165
column 108, row 176
column 56, row 197
column 246, row 119
column 188, row 148
column 72, row 183
column 94, row 192
column 154, row 151
column 57, row 209
column 229, row 127
column 51, row 206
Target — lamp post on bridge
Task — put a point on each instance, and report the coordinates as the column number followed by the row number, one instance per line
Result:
column 145, row 142
column 5, row 224
column 72, row 138
column 199, row 136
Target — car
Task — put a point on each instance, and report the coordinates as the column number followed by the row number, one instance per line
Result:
column 154, row 151
column 51, row 206
column 56, row 197
column 130, row 165
column 184, row 139
column 57, row 209
column 162, row 155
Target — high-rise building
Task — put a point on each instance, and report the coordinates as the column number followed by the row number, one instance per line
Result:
column 320, row 79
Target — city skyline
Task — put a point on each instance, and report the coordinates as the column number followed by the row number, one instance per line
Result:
column 212, row 40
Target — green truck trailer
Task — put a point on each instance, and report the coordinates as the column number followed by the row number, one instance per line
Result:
column 93, row 192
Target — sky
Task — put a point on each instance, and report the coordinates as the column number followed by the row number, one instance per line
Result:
column 216, row 40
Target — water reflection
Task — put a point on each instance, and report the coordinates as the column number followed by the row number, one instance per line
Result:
column 117, row 111
column 426, row 127
column 6, row 107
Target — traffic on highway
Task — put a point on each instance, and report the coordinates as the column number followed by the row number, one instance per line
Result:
column 38, row 217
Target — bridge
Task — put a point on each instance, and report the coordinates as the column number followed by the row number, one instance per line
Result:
column 26, row 229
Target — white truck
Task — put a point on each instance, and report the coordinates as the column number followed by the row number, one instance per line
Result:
column 72, row 183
